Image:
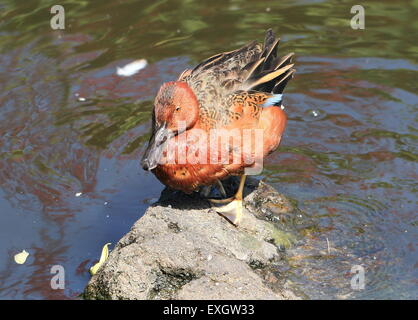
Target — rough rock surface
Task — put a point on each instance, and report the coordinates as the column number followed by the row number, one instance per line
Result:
column 182, row 249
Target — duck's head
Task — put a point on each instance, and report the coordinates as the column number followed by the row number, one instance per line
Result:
column 176, row 110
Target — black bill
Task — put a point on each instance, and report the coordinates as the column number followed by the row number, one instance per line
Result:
column 156, row 147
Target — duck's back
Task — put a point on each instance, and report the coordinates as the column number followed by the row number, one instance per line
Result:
column 222, row 78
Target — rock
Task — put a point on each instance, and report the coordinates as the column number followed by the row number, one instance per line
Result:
column 182, row 249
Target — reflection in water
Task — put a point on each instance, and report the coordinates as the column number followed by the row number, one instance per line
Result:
column 70, row 125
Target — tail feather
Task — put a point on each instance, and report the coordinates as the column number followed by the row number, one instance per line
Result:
column 222, row 58
column 270, row 49
column 286, row 60
column 281, row 84
column 268, row 79
column 270, row 73
column 250, row 69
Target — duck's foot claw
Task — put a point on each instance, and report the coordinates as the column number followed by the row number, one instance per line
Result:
column 232, row 211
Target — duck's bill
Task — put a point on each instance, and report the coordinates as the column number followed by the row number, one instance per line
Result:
column 156, row 147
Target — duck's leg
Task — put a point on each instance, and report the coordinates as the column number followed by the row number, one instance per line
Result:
column 205, row 191
column 233, row 210
column 221, row 188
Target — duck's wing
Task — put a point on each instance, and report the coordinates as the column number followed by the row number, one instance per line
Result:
column 221, row 77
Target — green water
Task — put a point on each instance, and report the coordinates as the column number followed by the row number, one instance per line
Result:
column 70, row 125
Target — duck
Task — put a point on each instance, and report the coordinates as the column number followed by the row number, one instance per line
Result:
column 220, row 119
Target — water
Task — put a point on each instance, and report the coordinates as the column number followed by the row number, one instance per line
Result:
column 72, row 133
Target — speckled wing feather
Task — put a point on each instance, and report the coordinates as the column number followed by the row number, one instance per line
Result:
column 219, row 81
column 216, row 78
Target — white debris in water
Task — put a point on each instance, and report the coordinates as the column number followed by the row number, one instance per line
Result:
column 131, row 68
column 105, row 203
column 21, row 257
column 79, row 98
column 315, row 113
column 328, row 246
column 268, row 9
column 78, row 194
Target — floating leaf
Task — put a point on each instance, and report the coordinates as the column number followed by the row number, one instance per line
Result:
column 103, row 258
column 21, row 257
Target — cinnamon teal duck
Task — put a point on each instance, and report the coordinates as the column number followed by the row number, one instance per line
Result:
column 228, row 92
